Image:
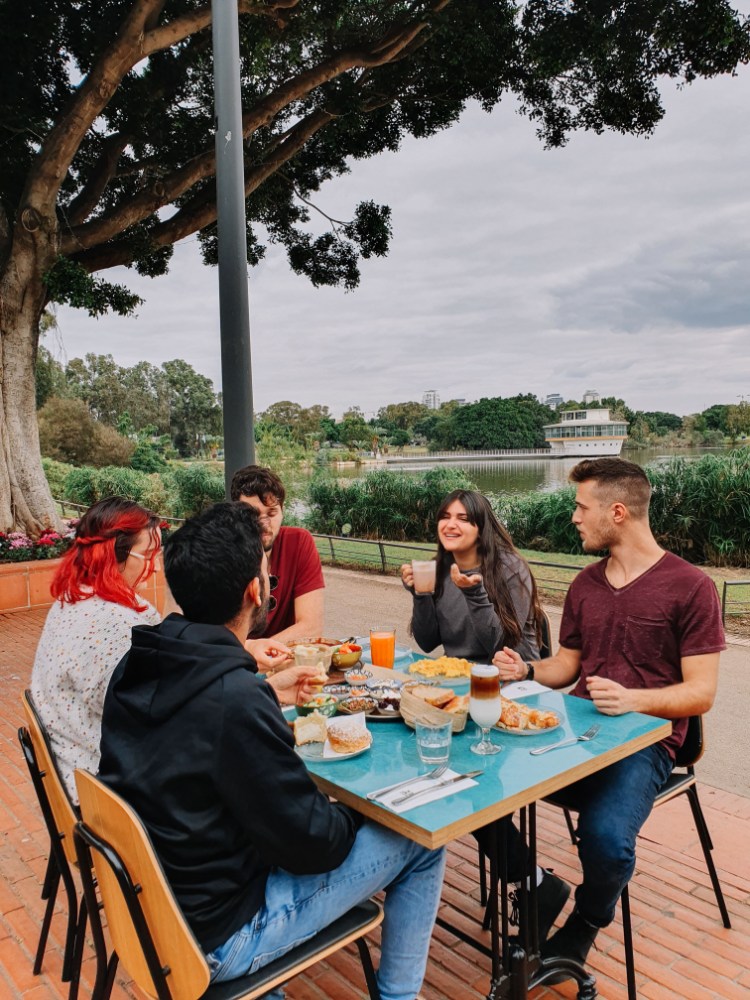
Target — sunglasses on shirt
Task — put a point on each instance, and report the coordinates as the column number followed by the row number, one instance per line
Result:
column 273, row 582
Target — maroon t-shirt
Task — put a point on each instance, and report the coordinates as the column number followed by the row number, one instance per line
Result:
column 296, row 563
column 637, row 634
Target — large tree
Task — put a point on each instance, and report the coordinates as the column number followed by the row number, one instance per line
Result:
column 107, row 152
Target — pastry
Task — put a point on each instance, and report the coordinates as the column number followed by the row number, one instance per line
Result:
column 310, row 729
column 345, row 738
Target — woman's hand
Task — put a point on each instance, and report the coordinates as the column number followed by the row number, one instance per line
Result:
column 510, row 665
column 269, row 654
column 407, row 576
column 296, row 685
column 461, row 580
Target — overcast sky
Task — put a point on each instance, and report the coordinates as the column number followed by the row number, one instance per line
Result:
column 616, row 264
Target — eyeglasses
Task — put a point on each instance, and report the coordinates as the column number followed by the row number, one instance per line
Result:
column 146, row 558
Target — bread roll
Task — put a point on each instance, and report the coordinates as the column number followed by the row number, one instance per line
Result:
column 310, row 729
column 458, row 704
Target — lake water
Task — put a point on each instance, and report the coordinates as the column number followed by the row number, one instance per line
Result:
column 532, row 474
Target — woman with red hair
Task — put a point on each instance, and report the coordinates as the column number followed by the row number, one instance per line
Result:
column 88, row 629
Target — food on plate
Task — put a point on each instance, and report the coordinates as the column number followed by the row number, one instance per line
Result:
column 436, row 696
column 310, row 729
column 345, row 738
column 317, row 641
column 443, row 666
column 516, row 715
column 346, row 655
column 322, row 703
column 388, row 698
column 458, row 704
column 357, row 676
column 350, row 706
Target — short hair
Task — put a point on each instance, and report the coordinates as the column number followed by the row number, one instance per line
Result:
column 211, row 559
column 616, row 480
column 105, row 534
column 257, row 481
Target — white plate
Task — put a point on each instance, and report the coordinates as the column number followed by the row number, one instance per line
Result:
column 525, row 732
column 325, row 754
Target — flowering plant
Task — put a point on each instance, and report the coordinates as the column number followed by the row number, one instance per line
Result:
column 18, row 547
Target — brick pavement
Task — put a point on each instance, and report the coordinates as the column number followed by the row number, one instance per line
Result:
column 682, row 950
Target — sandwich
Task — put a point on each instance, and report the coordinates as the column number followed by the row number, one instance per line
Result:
column 310, row 729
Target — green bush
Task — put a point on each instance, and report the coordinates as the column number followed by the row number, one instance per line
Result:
column 80, row 486
column 56, row 473
column 382, row 504
column 196, row 488
column 115, row 481
column 147, row 457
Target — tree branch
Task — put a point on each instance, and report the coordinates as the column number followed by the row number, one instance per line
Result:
column 105, row 169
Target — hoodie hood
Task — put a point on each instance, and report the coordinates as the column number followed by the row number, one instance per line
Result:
column 170, row 664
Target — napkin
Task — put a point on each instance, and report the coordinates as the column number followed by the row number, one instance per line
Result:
column 433, row 795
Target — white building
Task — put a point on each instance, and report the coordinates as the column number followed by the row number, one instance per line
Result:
column 430, row 399
column 589, row 433
column 590, row 396
column 554, row 399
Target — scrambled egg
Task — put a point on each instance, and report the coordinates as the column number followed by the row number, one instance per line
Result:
column 443, row 666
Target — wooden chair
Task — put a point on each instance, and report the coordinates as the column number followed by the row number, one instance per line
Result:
column 148, row 930
column 60, row 818
column 682, row 781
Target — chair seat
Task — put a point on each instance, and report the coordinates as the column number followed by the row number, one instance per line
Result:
column 677, row 783
column 353, row 923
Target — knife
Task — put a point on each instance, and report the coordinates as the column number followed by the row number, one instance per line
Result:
column 437, row 784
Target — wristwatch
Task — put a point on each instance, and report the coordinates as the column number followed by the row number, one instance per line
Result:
column 529, row 672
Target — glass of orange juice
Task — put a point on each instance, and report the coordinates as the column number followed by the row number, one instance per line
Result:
column 383, row 647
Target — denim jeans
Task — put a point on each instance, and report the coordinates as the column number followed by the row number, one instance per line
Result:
column 612, row 806
column 297, row 906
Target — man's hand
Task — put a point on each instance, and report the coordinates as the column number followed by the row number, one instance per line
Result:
column 510, row 665
column 296, row 685
column 610, row 697
column 269, row 654
column 463, row 581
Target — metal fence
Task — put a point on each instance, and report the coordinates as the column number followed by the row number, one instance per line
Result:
column 738, row 604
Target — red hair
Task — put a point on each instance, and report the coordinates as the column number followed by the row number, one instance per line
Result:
column 104, row 537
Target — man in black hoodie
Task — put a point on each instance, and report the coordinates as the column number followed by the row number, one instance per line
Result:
column 194, row 739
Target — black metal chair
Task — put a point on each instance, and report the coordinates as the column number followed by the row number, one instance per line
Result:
column 60, row 817
column 682, row 781
column 148, row 931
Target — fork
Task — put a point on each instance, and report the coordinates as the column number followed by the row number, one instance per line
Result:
column 436, row 772
column 583, row 738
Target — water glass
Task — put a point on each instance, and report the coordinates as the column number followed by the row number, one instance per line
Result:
column 433, row 742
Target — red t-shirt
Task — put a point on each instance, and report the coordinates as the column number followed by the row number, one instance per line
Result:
column 637, row 634
column 296, row 563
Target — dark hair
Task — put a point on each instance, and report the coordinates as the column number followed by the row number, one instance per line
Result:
column 616, row 480
column 492, row 544
column 211, row 559
column 257, row 481
column 104, row 537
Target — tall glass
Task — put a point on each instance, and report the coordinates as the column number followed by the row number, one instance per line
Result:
column 485, row 705
column 383, row 647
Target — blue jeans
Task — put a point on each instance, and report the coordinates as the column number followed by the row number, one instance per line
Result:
column 297, row 906
column 612, row 806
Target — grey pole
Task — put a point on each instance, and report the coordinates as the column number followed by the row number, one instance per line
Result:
column 236, row 367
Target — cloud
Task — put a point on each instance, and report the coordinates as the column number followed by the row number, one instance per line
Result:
column 616, row 263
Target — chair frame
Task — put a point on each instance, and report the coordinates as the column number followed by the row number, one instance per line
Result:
column 133, row 887
column 60, row 817
column 678, row 783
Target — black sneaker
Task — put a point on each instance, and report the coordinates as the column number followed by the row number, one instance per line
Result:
column 573, row 940
column 551, row 895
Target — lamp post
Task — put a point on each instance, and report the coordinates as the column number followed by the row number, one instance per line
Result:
column 234, row 317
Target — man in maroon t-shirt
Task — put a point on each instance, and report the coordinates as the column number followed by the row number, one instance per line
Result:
column 293, row 561
column 641, row 632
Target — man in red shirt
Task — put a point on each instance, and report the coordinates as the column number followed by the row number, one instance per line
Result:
column 641, row 632
column 293, row 561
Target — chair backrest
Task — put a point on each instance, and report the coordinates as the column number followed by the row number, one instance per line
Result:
column 545, row 628
column 142, row 914
column 694, row 745
column 62, row 808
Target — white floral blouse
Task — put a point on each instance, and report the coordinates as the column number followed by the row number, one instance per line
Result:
column 80, row 646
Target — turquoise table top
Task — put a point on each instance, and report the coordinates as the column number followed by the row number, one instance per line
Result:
column 511, row 779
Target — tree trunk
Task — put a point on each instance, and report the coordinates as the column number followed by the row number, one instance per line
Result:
column 25, row 500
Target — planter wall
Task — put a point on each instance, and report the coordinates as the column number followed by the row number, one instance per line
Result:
column 25, row 585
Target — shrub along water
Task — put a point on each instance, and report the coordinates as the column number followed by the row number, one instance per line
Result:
column 382, row 504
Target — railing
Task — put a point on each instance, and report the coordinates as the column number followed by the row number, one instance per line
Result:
column 470, row 456
column 387, row 557
column 81, row 508
column 730, row 606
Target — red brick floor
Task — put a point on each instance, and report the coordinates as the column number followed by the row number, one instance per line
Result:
column 682, row 950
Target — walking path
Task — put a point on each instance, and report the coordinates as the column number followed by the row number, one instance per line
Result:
column 682, row 950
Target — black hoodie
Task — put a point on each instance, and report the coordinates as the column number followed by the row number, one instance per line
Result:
column 196, row 742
